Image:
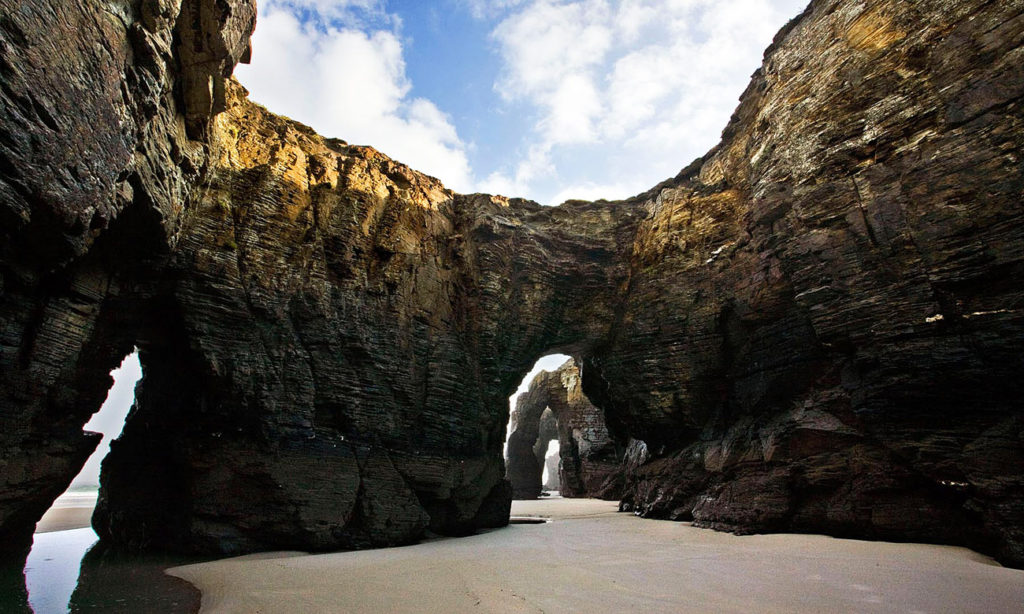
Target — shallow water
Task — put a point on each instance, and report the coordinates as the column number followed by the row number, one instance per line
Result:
column 69, row 571
column 51, row 571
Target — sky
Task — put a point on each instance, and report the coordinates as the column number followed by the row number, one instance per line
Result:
column 543, row 99
column 109, row 420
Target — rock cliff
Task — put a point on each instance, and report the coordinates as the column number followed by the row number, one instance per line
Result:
column 96, row 169
column 840, row 352
column 555, row 408
column 815, row 327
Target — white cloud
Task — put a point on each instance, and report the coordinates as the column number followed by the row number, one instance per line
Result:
column 650, row 83
column 535, row 165
column 618, row 94
column 482, row 9
column 590, row 190
column 349, row 82
column 547, row 42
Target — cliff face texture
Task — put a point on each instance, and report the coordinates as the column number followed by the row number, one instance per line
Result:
column 96, row 170
column 555, row 408
column 816, row 327
column 841, row 349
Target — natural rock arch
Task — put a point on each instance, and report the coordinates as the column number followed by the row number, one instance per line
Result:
column 793, row 326
column 531, row 432
column 554, row 407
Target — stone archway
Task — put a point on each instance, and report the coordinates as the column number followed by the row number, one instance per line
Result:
column 555, row 408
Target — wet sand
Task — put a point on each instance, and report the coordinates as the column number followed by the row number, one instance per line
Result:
column 69, row 511
column 591, row 559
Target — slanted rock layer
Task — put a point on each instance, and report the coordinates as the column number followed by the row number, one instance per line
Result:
column 555, row 408
column 815, row 327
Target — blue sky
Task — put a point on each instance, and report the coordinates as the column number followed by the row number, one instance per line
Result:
column 546, row 99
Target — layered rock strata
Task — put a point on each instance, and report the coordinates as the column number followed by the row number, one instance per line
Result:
column 96, row 171
column 554, row 408
column 815, row 327
column 841, row 349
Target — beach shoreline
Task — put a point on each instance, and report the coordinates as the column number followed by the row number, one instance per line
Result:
column 72, row 510
column 592, row 559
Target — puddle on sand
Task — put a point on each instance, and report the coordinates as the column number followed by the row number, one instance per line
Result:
column 51, row 571
column 68, row 571
column 528, row 520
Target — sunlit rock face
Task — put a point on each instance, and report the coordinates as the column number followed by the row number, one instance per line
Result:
column 824, row 324
column 554, row 407
column 815, row 327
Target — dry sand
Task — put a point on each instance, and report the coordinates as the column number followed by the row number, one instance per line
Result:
column 70, row 511
column 590, row 559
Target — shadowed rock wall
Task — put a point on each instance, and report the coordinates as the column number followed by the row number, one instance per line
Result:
column 554, row 407
column 815, row 327
column 95, row 173
column 841, row 349
column 333, row 376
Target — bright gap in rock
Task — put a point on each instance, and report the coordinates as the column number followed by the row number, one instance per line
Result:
column 550, row 362
column 552, row 451
column 65, row 534
column 109, row 420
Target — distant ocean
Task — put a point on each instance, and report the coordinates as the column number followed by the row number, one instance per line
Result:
column 77, row 496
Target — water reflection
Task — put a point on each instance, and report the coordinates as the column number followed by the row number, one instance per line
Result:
column 51, row 571
column 13, row 597
column 112, row 581
column 68, row 571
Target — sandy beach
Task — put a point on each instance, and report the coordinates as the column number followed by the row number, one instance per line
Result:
column 591, row 559
column 71, row 510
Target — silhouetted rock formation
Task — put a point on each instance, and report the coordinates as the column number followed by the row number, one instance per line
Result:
column 816, row 327
column 554, row 407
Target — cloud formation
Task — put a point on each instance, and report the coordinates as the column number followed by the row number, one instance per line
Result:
column 339, row 67
column 649, row 82
column 614, row 96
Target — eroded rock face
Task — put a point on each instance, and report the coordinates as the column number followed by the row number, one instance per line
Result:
column 95, row 173
column 336, row 347
column 815, row 327
column 555, row 408
column 841, row 349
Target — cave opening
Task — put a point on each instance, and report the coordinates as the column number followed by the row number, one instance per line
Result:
column 552, row 458
column 64, row 534
column 525, row 454
column 558, row 442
